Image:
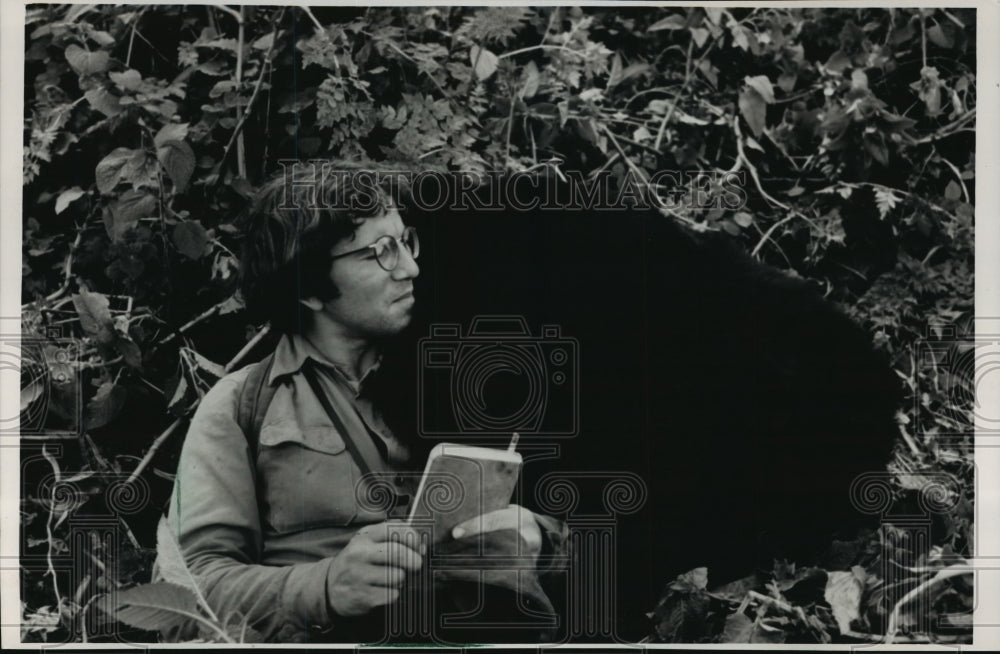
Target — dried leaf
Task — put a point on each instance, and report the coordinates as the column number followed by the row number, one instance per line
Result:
column 843, row 594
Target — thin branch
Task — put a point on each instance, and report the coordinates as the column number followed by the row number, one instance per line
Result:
column 251, row 344
column 532, row 48
column 237, row 135
column 753, row 169
column 923, row 38
column 160, row 440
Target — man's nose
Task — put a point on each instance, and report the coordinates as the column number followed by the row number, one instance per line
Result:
column 407, row 267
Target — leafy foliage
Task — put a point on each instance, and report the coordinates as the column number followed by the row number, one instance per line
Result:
column 147, row 127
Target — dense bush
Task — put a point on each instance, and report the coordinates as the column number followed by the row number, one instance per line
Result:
column 147, row 128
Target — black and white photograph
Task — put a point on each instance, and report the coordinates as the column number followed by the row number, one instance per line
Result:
column 632, row 325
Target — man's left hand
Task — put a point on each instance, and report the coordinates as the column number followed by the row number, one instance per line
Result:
column 513, row 517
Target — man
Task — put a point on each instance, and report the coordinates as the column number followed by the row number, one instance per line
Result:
column 266, row 508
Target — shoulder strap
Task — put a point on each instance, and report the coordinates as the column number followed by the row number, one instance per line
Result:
column 352, row 446
column 255, row 397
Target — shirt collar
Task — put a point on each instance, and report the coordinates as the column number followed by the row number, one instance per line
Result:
column 292, row 352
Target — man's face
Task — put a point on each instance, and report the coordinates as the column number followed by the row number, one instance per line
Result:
column 373, row 302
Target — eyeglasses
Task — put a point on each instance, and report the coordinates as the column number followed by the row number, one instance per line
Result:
column 387, row 249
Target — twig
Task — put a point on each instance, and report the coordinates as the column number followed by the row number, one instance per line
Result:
column 767, row 235
column 204, row 315
column 160, row 440
column 48, row 528
column 510, row 128
column 244, row 114
column 131, row 38
column 923, row 38
column 753, row 169
column 541, row 47
column 680, row 91
column 642, row 178
column 251, row 344
column 241, row 164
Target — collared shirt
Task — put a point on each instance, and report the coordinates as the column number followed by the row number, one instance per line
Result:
column 261, row 542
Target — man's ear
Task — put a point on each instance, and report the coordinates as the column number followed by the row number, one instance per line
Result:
column 312, row 303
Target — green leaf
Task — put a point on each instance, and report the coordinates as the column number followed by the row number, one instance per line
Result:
column 109, row 169
column 743, row 219
column 737, row 630
column 67, row 197
column 531, row 79
column 953, row 191
column 264, row 42
column 95, row 316
column 672, row 22
column 107, row 103
column 483, row 61
column 106, row 404
column 762, row 85
column 85, row 62
column 171, row 132
column 753, row 107
column 940, row 37
column 155, row 606
column 190, row 239
column 128, row 80
column 178, row 160
column 126, row 212
column 700, row 35
column 169, row 559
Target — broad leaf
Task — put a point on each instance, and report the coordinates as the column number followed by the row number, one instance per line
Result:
column 106, row 404
column 762, row 85
column 672, row 22
column 126, row 212
column 753, row 107
column 103, row 101
column 190, row 239
column 178, row 160
column 171, row 132
column 155, row 606
column 483, row 61
column 67, row 197
column 531, row 79
column 128, row 80
column 85, row 62
column 738, row 629
column 109, row 170
column 95, row 316
column 169, row 559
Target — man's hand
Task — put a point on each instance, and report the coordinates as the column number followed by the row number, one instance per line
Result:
column 513, row 517
column 370, row 570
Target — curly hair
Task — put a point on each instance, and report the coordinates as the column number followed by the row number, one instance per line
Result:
column 294, row 220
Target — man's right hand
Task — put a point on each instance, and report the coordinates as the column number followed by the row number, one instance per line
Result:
column 370, row 570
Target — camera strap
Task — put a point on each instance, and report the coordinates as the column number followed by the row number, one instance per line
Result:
column 365, row 454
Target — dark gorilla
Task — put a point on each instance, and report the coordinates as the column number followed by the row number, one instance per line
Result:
column 745, row 401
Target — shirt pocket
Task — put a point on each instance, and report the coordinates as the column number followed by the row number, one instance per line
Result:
column 307, row 478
